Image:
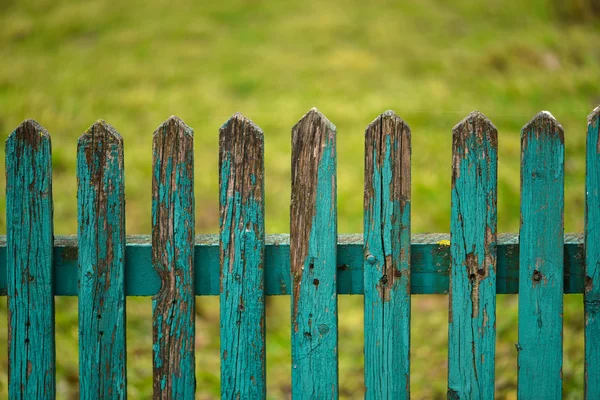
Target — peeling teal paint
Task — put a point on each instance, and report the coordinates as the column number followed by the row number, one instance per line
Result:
column 540, row 346
column 314, row 298
column 29, row 244
column 242, row 252
column 592, row 258
column 472, row 320
column 387, row 258
column 173, row 259
column 101, row 257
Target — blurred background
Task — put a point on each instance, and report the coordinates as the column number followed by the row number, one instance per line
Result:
column 135, row 63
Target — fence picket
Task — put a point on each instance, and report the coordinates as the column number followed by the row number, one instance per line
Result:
column 29, row 242
column 242, row 253
column 472, row 319
column 101, row 255
column 541, row 259
column 173, row 259
column 592, row 258
column 313, row 244
column 387, row 258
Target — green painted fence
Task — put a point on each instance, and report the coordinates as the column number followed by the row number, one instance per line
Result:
column 313, row 264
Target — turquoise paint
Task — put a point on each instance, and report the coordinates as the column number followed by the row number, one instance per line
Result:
column 29, row 245
column 386, row 259
column 314, row 308
column 472, row 322
column 592, row 258
column 541, row 258
column 173, row 259
column 430, row 265
column 101, row 255
column 242, row 250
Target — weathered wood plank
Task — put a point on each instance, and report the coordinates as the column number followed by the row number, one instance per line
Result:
column 592, row 258
column 101, row 235
column 31, row 358
column 387, row 258
column 313, row 236
column 173, row 258
column 541, row 258
column 242, row 253
column 472, row 320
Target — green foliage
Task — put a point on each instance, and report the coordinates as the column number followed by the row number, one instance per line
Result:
column 68, row 63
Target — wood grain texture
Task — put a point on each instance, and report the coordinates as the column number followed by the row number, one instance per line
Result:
column 541, row 259
column 592, row 258
column 101, row 235
column 472, row 319
column 387, row 258
column 173, row 259
column 31, row 357
column 313, row 236
column 242, row 252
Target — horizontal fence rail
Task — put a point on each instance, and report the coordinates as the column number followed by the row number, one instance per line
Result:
column 430, row 265
column 313, row 264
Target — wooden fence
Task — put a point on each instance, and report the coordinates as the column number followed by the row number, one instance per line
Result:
column 313, row 264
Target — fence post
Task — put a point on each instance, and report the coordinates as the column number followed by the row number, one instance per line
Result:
column 242, row 250
column 592, row 257
column 101, row 237
column 313, row 245
column 472, row 328
column 387, row 258
column 173, row 258
column 31, row 365
column 541, row 250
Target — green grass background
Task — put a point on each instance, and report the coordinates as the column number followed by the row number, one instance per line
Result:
column 135, row 63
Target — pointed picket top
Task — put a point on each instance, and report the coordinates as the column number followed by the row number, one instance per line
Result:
column 314, row 116
column 544, row 123
column 478, row 122
column 104, row 130
column 174, row 124
column 239, row 120
column 387, row 115
column 30, row 130
column 595, row 114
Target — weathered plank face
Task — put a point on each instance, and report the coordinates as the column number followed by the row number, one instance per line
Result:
column 472, row 319
column 242, row 251
column 173, row 258
column 313, row 236
column 101, row 258
column 387, row 258
column 30, row 280
column 541, row 259
column 592, row 257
